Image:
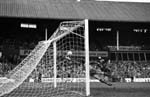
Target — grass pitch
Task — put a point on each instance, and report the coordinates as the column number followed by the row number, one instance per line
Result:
column 97, row 90
column 121, row 90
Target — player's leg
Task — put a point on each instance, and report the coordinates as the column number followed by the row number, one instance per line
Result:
column 101, row 80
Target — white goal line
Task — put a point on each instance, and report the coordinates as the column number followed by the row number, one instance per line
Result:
column 136, row 1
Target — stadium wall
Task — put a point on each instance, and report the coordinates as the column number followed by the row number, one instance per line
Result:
column 45, row 80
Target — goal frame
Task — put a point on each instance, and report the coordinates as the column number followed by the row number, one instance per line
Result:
column 86, row 47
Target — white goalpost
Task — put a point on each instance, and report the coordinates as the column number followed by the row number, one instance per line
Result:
column 86, row 53
column 55, row 64
column 62, row 61
column 87, row 57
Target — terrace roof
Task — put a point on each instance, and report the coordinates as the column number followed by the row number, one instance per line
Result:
column 71, row 9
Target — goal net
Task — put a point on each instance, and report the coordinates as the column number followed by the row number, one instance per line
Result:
column 61, row 63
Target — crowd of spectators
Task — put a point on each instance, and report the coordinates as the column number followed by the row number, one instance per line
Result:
column 65, row 69
column 118, row 70
column 16, row 44
column 10, row 49
column 129, row 69
column 8, row 63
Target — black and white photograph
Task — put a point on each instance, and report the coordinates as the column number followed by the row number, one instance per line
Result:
column 74, row 48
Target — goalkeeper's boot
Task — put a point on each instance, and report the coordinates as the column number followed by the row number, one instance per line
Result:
column 109, row 84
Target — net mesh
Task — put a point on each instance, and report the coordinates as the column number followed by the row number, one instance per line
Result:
column 69, row 72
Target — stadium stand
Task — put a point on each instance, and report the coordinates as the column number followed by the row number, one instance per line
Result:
column 120, row 69
column 71, row 9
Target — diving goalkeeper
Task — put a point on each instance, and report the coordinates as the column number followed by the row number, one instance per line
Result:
column 98, row 70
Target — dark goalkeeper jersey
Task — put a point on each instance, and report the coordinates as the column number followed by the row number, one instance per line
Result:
column 92, row 72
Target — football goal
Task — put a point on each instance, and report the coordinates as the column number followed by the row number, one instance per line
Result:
column 62, row 61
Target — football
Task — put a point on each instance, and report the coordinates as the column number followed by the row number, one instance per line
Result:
column 69, row 53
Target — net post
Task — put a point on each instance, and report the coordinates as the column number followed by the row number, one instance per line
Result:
column 87, row 57
column 55, row 65
column 46, row 34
